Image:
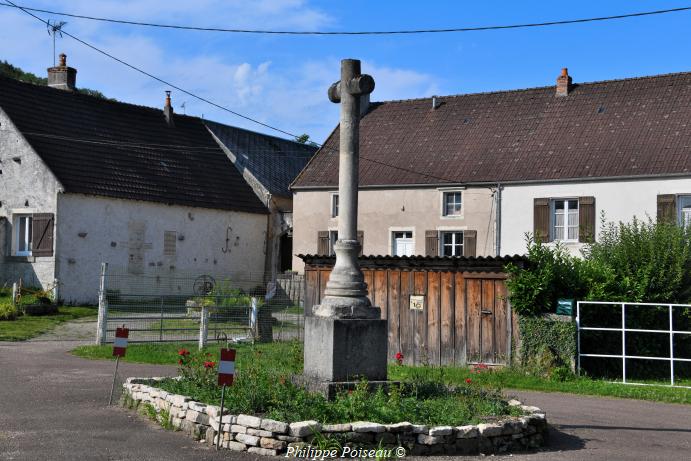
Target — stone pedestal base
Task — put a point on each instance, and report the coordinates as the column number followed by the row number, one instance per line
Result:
column 330, row 389
column 343, row 350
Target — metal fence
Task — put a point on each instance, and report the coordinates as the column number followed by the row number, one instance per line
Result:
column 160, row 306
column 638, row 324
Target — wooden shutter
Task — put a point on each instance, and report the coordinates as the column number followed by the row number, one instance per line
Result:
column 541, row 219
column 667, row 208
column 5, row 236
column 586, row 219
column 42, row 234
column 361, row 241
column 431, row 243
column 469, row 243
column 323, row 243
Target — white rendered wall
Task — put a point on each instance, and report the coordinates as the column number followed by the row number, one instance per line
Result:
column 109, row 223
column 620, row 201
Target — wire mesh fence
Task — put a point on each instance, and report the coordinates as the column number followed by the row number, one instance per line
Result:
column 159, row 306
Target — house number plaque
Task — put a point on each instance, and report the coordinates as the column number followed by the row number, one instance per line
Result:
column 417, row 302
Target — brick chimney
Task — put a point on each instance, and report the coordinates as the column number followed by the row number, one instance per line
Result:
column 168, row 110
column 563, row 83
column 61, row 76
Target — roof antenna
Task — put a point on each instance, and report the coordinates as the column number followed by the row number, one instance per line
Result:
column 54, row 29
column 183, row 107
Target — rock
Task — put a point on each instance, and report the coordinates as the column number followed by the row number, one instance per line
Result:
column 420, row 429
column 277, row 427
column 303, row 428
column 387, row 438
column 489, row 430
column 249, row 421
column 424, row 439
column 236, row 446
column 196, row 417
column 247, row 439
column 288, row 438
column 466, row 432
column 529, row 409
column 210, row 436
column 399, row 427
column 514, row 403
column 259, row 432
column 366, row 426
column 360, row 437
column 262, row 451
column 440, row 430
column 336, row 428
column 196, row 406
column 238, row 429
column 272, row 444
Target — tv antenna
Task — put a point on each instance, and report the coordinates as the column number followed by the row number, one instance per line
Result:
column 54, row 29
column 183, row 106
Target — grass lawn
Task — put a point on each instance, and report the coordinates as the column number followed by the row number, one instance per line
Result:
column 26, row 327
column 281, row 354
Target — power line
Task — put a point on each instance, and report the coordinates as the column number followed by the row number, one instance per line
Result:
column 371, row 32
column 158, row 79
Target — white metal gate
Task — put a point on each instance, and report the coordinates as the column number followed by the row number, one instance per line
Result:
column 671, row 331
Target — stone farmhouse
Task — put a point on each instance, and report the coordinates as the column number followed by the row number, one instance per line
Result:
column 470, row 175
column 85, row 180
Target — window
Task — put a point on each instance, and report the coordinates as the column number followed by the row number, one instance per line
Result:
column 565, row 220
column 403, row 243
column 452, row 204
column 169, row 241
column 23, row 226
column 333, row 238
column 451, row 243
column 684, row 214
column 334, row 205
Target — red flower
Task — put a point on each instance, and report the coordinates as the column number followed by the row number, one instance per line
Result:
column 468, row 380
column 399, row 358
column 183, row 352
column 209, row 364
column 179, row 361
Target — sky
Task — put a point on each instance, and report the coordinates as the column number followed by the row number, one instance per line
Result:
column 283, row 80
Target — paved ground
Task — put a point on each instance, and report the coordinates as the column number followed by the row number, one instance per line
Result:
column 52, row 407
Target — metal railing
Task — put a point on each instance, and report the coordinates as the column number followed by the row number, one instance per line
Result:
column 671, row 331
column 181, row 308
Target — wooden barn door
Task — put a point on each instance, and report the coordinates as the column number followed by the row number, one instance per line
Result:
column 487, row 339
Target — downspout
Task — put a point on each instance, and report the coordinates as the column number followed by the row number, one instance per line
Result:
column 268, row 253
column 497, row 232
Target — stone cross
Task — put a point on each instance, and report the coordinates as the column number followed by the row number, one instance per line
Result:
column 346, row 291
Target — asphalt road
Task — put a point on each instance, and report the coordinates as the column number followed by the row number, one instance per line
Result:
column 52, row 407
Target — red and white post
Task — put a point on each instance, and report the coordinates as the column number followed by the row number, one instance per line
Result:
column 119, row 350
column 226, row 374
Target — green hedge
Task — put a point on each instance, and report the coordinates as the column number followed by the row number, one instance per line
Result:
column 548, row 345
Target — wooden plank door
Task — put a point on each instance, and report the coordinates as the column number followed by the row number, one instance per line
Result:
column 487, row 330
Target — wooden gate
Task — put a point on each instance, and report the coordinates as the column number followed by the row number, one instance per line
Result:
column 440, row 311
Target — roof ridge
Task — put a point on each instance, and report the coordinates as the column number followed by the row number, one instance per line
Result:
column 533, row 88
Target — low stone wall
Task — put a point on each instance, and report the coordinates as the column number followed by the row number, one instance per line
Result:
column 268, row 437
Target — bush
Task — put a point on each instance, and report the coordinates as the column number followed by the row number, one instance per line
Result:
column 8, row 312
column 547, row 345
column 633, row 262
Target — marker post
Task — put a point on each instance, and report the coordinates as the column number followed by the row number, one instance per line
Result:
column 226, row 372
column 119, row 350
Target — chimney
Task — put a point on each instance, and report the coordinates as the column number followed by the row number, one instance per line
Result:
column 563, row 83
column 61, row 76
column 168, row 110
column 435, row 103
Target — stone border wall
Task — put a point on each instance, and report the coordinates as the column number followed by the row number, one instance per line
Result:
column 268, row 437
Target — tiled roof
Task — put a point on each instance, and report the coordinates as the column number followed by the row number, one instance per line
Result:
column 275, row 162
column 106, row 148
column 617, row 128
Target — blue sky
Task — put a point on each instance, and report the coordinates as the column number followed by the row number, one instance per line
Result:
column 282, row 80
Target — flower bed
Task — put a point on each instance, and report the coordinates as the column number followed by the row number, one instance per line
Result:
column 265, row 436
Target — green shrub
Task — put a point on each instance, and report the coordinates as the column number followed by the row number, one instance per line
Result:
column 546, row 345
column 8, row 311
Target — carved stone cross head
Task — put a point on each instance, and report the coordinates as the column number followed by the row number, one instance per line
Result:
column 351, row 82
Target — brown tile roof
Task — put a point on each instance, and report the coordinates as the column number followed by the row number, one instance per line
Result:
column 630, row 127
column 108, row 148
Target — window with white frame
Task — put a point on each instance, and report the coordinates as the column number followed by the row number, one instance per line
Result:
column 334, row 205
column 565, row 220
column 333, row 238
column 403, row 243
column 23, row 226
column 452, row 203
column 684, row 204
column 451, row 243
